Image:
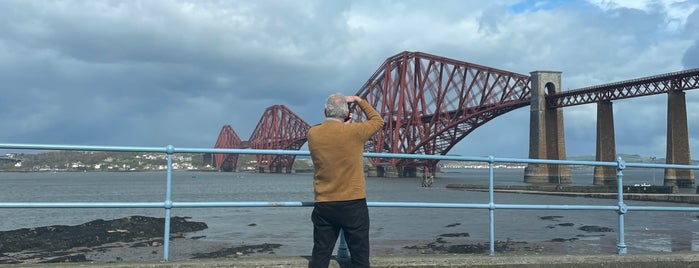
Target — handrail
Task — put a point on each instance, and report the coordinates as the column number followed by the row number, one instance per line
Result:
column 168, row 203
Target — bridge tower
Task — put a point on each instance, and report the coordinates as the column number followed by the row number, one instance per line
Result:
column 678, row 141
column 546, row 137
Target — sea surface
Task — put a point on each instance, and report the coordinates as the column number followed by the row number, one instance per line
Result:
column 392, row 229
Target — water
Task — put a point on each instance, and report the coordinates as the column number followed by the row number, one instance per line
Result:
column 391, row 228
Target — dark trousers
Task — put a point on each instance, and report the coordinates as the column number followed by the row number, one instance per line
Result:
column 328, row 217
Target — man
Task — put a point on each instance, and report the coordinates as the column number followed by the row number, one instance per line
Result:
column 337, row 147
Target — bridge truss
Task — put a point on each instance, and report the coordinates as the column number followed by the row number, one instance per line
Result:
column 279, row 128
column 227, row 139
column 646, row 86
column 430, row 103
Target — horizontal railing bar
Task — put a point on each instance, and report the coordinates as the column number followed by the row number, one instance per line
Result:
column 554, row 207
column 553, row 161
column 661, row 208
column 81, row 147
column 82, row 204
column 675, row 166
column 425, row 205
column 242, row 204
column 222, row 204
column 310, row 204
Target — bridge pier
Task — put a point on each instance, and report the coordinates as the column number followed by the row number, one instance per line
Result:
column 395, row 172
column 546, row 137
column 678, row 141
column 385, row 171
column 409, row 172
column 606, row 150
column 372, row 171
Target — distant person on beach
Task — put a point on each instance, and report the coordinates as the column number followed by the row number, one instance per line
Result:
column 337, row 147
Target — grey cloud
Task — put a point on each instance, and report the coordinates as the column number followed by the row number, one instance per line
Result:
column 690, row 60
column 691, row 56
column 155, row 38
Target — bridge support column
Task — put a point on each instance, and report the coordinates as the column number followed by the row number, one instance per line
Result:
column 606, row 150
column 677, row 141
column 436, row 171
column 432, row 170
column 372, row 172
column 409, row 172
column 546, row 137
column 390, row 172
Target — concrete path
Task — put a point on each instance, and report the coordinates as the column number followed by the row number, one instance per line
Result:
column 665, row 260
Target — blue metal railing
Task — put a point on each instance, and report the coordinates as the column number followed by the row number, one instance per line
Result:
column 168, row 203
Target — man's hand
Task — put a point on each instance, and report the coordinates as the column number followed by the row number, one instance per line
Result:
column 350, row 99
column 353, row 98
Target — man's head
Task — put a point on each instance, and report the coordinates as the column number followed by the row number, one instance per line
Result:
column 336, row 106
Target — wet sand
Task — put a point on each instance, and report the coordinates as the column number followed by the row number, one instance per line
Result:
column 139, row 238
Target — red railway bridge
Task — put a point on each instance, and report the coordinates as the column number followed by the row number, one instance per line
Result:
column 430, row 103
column 279, row 129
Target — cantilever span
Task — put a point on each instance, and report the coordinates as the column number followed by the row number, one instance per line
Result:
column 227, row 138
column 430, row 103
column 278, row 128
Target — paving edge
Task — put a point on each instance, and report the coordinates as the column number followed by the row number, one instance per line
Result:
column 680, row 259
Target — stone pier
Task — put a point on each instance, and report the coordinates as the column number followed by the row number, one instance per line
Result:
column 606, row 150
column 678, row 141
column 546, row 137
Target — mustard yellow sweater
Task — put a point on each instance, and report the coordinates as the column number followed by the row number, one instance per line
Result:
column 336, row 150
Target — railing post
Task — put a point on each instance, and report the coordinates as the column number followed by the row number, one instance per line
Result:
column 621, row 245
column 168, row 202
column 342, row 252
column 491, row 204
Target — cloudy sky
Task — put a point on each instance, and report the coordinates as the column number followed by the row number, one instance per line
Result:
column 153, row 73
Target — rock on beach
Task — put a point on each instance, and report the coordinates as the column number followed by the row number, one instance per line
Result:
column 121, row 239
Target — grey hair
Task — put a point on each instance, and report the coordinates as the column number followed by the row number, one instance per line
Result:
column 336, row 106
